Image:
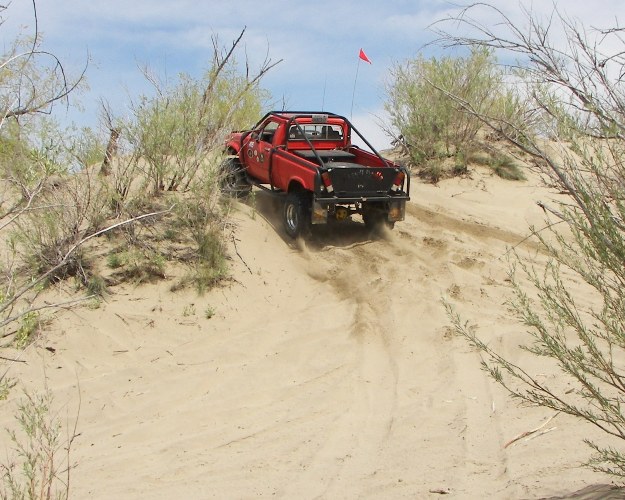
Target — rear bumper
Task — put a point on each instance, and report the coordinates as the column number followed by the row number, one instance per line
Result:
column 348, row 200
column 393, row 206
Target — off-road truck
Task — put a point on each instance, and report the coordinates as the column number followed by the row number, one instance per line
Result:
column 309, row 159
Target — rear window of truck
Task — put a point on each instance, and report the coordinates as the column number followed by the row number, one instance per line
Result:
column 316, row 132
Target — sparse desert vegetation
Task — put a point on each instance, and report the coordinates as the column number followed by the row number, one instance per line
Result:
column 333, row 354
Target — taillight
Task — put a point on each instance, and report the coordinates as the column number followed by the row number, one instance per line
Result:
column 398, row 182
column 327, row 182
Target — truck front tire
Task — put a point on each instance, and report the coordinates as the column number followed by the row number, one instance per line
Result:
column 296, row 214
column 233, row 181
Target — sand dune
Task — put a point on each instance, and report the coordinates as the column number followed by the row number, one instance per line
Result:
column 327, row 371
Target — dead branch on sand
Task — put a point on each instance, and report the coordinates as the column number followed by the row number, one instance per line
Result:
column 533, row 431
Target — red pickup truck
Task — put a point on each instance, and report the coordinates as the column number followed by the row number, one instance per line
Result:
column 309, row 159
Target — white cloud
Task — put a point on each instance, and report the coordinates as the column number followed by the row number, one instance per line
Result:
column 318, row 41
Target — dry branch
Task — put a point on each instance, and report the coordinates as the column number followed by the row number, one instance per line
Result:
column 528, row 433
column 35, row 282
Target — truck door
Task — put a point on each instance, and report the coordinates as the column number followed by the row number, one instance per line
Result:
column 259, row 152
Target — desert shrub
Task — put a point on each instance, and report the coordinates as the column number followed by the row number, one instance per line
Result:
column 96, row 286
column 201, row 216
column 66, row 212
column 6, row 384
column 85, row 148
column 174, row 130
column 429, row 125
column 209, row 312
column 579, row 337
column 41, row 467
column 28, row 328
column 141, row 264
column 506, row 167
column 433, row 170
column 169, row 150
column 63, row 188
column 115, row 260
column 212, row 265
column 36, row 162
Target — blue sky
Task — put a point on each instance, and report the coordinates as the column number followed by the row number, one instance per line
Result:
column 317, row 40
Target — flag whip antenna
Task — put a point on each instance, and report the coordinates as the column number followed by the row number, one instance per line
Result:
column 363, row 56
column 351, row 113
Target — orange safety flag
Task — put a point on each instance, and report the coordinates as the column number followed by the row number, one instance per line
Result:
column 363, row 56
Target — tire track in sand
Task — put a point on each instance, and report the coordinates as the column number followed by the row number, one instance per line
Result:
column 423, row 259
column 354, row 444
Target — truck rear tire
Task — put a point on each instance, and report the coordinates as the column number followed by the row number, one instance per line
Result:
column 233, row 181
column 296, row 214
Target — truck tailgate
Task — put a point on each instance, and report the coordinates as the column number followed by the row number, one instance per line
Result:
column 353, row 180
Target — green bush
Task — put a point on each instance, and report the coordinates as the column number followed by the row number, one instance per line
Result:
column 574, row 307
column 199, row 215
column 174, row 131
column 505, row 167
column 29, row 327
column 55, row 199
column 430, row 124
column 42, row 467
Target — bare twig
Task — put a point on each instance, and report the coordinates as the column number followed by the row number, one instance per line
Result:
column 13, row 360
column 538, row 434
column 57, row 305
column 35, row 282
column 234, row 242
column 528, row 433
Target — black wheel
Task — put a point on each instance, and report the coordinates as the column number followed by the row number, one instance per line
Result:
column 296, row 214
column 233, row 181
column 375, row 218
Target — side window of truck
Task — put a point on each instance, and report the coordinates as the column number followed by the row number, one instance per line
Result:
column 268, row 131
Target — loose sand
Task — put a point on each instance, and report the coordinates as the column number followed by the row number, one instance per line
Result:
column 328, row 369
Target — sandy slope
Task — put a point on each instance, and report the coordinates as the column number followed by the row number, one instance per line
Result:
column 327, row 371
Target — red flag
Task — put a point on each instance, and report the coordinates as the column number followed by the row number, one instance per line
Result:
column 363, row 56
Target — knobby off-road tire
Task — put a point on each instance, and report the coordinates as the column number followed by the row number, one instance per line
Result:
column 232, row 180
column 296, row 214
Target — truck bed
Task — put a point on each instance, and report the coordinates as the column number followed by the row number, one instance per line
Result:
column 326, row 155
column 350, row 179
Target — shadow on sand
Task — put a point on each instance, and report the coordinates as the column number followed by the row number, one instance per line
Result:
column 594, row 492
column 337, row 234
